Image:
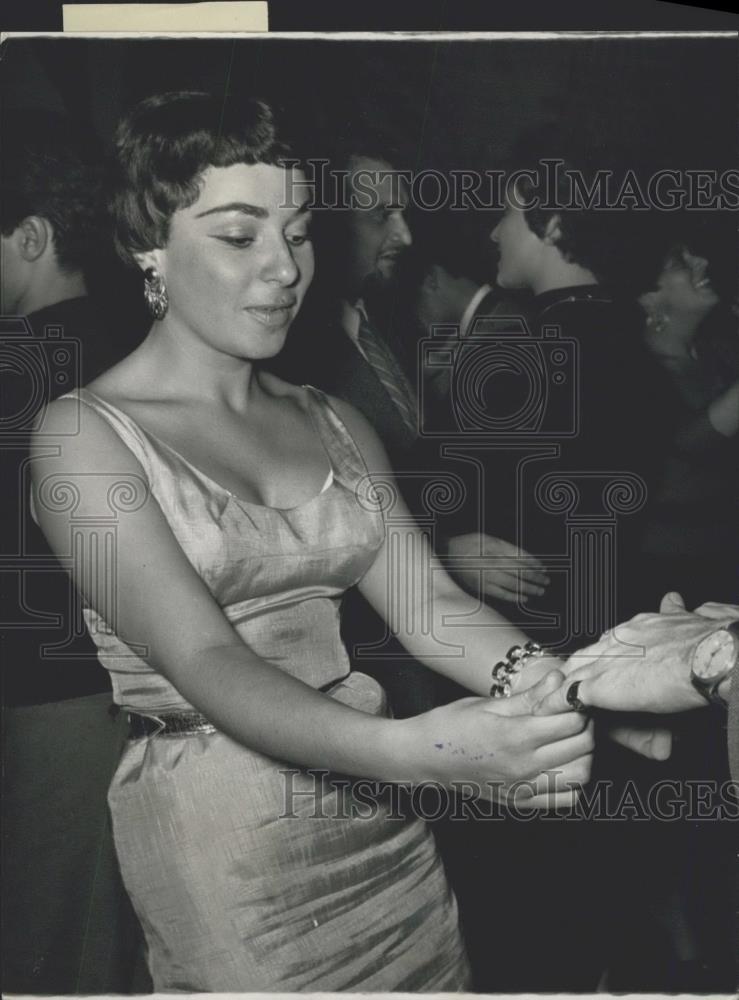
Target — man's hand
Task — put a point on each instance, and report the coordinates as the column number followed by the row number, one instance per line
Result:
column 505, row 572
column 644, row 664
column 719, row 612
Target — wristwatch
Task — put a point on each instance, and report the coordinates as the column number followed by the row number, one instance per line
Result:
column 714, row 659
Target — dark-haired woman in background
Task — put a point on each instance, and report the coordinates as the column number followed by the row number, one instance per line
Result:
column 242, row 511
column 692, row 333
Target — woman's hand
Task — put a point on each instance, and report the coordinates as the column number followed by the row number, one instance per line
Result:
column 534, row 670
column 502, row 751
column 495, row 568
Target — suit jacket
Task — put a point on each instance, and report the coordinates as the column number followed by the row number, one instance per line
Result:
column 444, row 404
column 494, row 313
column 352, row 378
column 575, row 378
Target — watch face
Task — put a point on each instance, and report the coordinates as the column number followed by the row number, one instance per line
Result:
column 715, row 655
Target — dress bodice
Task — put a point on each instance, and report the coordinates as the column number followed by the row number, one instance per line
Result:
column 277, row 574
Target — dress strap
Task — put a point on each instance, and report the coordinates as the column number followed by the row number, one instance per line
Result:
column 346, row 458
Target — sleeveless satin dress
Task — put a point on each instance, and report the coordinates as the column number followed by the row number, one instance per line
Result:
column 247, row 873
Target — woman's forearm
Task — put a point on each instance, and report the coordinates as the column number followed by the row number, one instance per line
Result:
column 463, row 638
column 493, row 745
column 271, row 712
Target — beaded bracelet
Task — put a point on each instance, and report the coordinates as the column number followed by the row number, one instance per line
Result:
column 505, row 670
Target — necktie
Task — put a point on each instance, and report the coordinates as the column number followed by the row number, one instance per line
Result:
column 390, row 374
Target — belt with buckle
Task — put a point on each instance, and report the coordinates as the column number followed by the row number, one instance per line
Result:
column 168, row 724
column 181, row 723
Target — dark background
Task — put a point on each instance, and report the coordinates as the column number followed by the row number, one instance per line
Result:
column 456, row 15
column 461, row 104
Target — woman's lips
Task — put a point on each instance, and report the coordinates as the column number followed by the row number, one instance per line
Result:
column 272, row 316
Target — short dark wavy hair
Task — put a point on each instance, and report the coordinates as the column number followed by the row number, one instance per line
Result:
column 163, row 146
column 588, row 236
column 49, row 172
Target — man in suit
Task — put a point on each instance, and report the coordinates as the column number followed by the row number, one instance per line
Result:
column 69, row 926
column 359, row 254
column 372, row 236
column 604, row 417
column 454, row 300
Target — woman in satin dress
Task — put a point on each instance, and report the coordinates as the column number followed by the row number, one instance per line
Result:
column 213, row 516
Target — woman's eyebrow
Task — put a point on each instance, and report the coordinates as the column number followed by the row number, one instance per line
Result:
column 304, row 209
column 237, row 206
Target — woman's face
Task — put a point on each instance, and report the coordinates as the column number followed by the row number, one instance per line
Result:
column 684, row 285
column 239, row 260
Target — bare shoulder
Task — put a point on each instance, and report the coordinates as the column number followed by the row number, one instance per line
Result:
column 59, row 418
column 71, row 436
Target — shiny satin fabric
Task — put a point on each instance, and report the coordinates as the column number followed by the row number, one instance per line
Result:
column 249, row 874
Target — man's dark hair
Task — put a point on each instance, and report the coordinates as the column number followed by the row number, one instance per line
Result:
column 588, row 236
column 366, row 137
column 49, row 173
column 164, row 145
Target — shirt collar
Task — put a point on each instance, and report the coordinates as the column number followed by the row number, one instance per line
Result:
column 572, row 293
column 468, row 315
column 351, row 317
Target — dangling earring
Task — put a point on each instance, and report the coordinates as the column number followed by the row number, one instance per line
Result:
column 658, row 321
column 155, row 293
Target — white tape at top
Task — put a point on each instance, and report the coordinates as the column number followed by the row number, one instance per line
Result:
column 249, row 15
